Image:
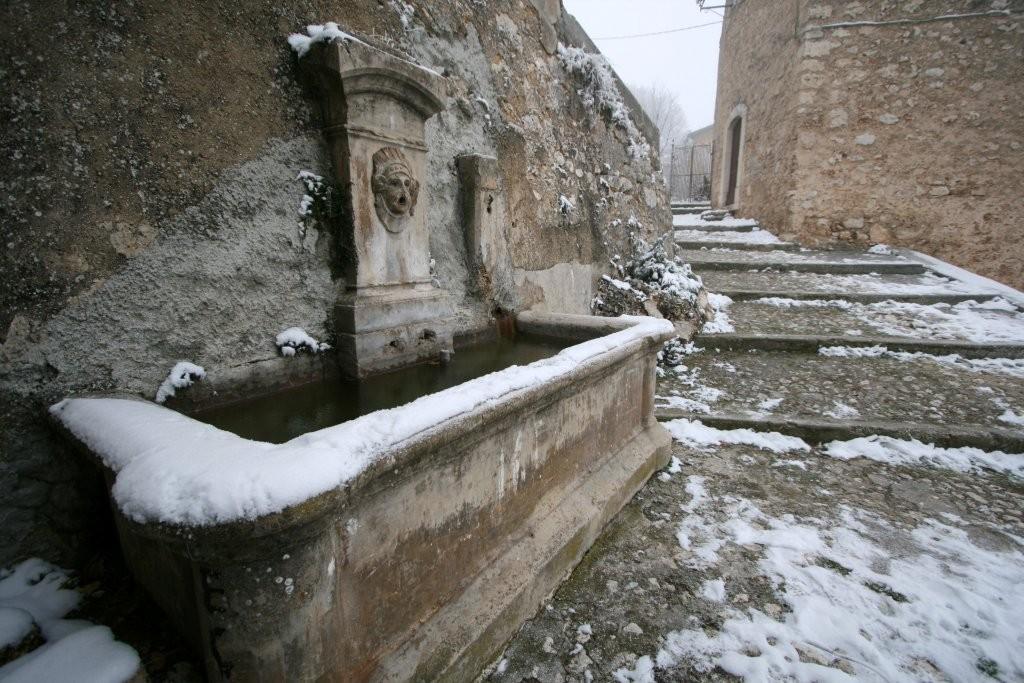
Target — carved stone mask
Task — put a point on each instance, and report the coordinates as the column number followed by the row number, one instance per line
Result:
column 395, row 190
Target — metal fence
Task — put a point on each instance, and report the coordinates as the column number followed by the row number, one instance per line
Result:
column 689, row 178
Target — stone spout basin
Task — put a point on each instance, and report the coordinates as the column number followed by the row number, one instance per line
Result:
column 408, row 543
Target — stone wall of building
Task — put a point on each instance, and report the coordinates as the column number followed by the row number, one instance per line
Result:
column 151, row 200
column 910, row 130
column 756, row 75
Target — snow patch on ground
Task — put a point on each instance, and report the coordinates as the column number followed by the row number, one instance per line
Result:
column 996, row 320
column 912, row 452
column 695, row 433
column 857, row 611
column 1008, row 366
column 713, row 590
column 799, row 464
column 783, row 302
column 642, row 672
column 881, row 249
column 841, row 411
column 181, row 375
column 721, row 323
column 33, row 592
column 928, row 283
column 1013, row 418
column 694, row 220
column 174, row 469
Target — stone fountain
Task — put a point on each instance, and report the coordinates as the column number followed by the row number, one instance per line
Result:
column 374, row 107
column 405, row 544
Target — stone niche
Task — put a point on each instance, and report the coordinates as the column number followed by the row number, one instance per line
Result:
column 374, row 107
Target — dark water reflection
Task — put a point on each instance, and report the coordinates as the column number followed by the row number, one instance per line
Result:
column 276, row 418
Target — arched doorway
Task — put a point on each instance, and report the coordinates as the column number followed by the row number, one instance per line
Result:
column 734, row 147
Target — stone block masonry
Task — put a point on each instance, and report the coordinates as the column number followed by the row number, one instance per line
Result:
column 898, row 123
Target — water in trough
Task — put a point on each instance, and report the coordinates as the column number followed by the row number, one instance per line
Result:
column 281, row 416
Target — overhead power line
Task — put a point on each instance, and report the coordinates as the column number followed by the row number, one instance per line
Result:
column 659, row 33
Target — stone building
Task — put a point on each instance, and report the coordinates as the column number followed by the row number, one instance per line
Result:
column 878, row 121
column 154, row 211
column 701, row 136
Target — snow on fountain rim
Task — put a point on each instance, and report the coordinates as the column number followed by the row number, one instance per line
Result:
column 174, row 469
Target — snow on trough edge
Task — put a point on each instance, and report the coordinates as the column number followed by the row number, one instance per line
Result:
column 174, row 469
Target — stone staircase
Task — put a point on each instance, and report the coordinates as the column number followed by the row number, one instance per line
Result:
column 834, row 327
column 686, row 208
column 846, row 495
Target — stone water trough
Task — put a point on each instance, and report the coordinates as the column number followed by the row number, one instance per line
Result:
column 406, row 544
column 400, row 535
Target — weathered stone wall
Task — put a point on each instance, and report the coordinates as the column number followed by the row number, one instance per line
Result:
column 909, row 133
column 150, row 208
column 756, row 75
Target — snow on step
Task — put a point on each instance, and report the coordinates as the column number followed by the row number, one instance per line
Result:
column 883, row 386
column 779, row 256
column 755, row 236
column 943, row 601
column 692, row 220
column 996, row 321
column 770, row 281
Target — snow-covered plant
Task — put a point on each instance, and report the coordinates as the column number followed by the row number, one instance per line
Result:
column 296, row 339
column 675, row 351
column 666, row 279
column 182, row 375
column 405, row 12
column 315, row 202
column 565, row 205
column 650, row 282
column 600, row 93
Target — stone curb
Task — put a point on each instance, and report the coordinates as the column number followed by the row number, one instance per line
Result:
column 823, row 431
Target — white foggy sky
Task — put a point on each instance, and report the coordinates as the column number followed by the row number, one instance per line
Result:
column 685, row 63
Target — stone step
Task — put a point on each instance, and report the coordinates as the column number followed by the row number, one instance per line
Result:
column 734, row 239
column 801, row 343
column 720, row 227
column 698, row 244
column 817, row 432
column 856, row 297
column 782, row 259
column 853, row 287
column 686, row 210
column 794, row 263
column 967, row 322
column 981, row 394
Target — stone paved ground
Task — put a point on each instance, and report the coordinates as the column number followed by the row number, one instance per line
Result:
column 763, row 556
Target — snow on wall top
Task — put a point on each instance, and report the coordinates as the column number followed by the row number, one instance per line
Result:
column 327, row 33
column 171, row 468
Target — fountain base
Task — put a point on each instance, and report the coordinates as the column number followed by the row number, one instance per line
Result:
column 385, row 328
